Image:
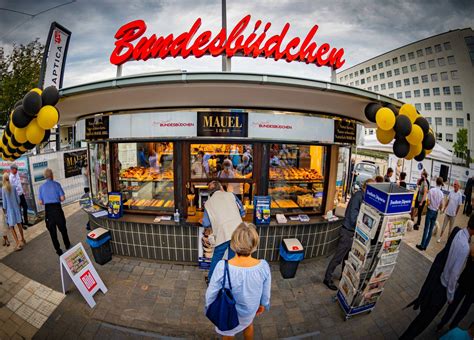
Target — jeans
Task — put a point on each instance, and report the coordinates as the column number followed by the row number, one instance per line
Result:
column 218, row 255
column 430, row 221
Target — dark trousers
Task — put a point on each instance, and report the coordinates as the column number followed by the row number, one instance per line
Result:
column 343, row 248
column 24, row 206
column 420, row 212
column 466, row 304
column 55, row 219
column 428, row 311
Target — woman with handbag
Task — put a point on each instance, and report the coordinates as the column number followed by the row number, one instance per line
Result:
column 239, row 288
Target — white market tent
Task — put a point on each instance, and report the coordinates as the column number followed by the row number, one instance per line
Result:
column 439, row 153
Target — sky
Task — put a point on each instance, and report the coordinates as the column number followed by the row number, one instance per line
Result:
column 364, row 28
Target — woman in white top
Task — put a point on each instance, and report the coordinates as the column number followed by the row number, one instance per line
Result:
column 250, row 279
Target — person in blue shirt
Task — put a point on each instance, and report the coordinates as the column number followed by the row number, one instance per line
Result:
column 51, row 195
column 459, row 334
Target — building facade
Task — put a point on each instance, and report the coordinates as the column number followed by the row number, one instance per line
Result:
column 435, row 74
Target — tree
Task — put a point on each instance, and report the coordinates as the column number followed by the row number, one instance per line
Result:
column 461, row 146
column 19, row 73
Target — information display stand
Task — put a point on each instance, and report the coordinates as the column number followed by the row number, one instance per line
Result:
column 381, row 225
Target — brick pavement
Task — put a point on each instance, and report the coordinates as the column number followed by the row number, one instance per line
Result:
column 150, row 299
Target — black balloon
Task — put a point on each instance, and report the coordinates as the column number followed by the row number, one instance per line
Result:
column 401, row 147
column 19, row 118
column 28, row 145
column 32, row 103
column 423, row 123
column 18, row 103
column 50, row 96
column 47, row 133
column 429, row 141
column 14, row 142
column 4, row 139
column 402, row 126
column 7, row 130
column 371, row 110
column 393, row 108
column 10, row 149
column 421, row 156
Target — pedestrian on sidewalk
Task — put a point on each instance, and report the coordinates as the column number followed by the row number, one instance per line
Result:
column 11, row 209
column 468, row 193
column 420, row 201
column 440, row 284
column 4, row 227
column 16, row 182
column 451, row 209
column 435, row 198
column 51, row 195
column 223, row 212
column 346, row 234
column 249, row 277
column 388, row 175
column 464, row 291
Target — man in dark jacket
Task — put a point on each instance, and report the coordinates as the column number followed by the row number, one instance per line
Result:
column 346, row 234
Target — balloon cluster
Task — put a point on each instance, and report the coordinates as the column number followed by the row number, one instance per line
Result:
column 30, row 122
column 412, row 133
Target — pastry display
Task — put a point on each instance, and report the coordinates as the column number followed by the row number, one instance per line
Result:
column 292, row 173
column 288, row 190
column 154, row 203
column 308, row 200
column 286, row 204
column 139, row 173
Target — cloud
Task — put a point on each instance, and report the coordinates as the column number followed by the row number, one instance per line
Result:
column 364, row 28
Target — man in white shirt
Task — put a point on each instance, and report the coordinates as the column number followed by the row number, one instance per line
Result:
column 452, row 208
column 435, row 197
column 16, row 182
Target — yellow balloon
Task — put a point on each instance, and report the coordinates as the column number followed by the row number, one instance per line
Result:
column 416, row 135
column 20, row 135
column 409, row 111
column 12, row 127
column 385, row 137
column 34, row 133
column 37, row 90
column 47, row 117
column 428, row 151
column 385, row 118
column 22, row 149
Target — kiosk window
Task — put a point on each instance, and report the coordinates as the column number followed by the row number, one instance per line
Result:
column 99, row 160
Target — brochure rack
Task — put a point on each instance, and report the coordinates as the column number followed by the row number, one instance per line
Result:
column 381, row 225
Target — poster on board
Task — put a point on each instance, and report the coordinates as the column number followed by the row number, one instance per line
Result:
column 74, row 162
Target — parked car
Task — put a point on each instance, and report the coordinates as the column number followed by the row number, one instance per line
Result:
column 363, row 171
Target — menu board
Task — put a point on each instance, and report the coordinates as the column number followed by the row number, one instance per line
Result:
column 97, row 128
column 345, row 131
column 262, row 209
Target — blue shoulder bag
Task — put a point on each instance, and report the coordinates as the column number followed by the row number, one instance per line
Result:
column 222, row 311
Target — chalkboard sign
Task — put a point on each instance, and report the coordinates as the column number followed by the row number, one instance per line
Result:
column 97, row 128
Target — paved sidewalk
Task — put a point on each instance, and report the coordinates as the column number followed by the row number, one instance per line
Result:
column 158, row 300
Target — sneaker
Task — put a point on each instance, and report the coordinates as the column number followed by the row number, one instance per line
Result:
column 59, row 252
column 420, row 247
column 330, row 285
column 24, row 226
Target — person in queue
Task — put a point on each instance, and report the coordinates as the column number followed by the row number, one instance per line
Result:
column 420, row 200
column 464, row 293
column 435, row 198
column 16, row 182
column 379, row 179
column 51, row 195
column 346, row 234
column 11, row 209
column 250, row 279
column 402, row 183
column 388, row 175
column 440, row 284
column 223, row 212
column 451, row 209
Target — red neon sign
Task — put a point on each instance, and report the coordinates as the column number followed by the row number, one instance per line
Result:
column 132, row 45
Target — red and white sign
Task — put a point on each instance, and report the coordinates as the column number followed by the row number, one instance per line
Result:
column 131, row 44
column 88, row 281
column 290, row 127
column 153, row 124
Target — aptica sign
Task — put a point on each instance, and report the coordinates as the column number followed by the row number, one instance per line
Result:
column 131, row 44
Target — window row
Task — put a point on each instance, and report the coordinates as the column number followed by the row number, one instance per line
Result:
column 448, row 121
column 417, row 93
column 448, row 137
column 403, row 58
column 415, row 80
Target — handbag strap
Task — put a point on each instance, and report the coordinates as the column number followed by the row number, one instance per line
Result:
column 226, row 274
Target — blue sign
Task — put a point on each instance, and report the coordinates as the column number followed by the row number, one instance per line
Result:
column 262, row 209
column 381, row 197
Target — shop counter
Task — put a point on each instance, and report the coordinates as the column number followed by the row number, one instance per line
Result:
column 139, row 236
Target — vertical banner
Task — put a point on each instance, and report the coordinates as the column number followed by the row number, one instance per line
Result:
column 54, row 57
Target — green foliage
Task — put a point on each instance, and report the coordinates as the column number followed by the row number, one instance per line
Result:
column 461, row 146
column 19, row 73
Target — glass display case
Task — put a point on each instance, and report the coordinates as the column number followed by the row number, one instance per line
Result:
column 99, row 162
column 146, row 176
column 230, row 164
column 296, row 177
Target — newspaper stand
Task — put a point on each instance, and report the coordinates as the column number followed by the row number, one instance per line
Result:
column 381, row 224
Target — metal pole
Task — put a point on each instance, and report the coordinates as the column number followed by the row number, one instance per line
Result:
column 226, row 64
column 119, row 71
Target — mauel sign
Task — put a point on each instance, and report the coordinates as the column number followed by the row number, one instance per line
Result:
column 222, row 124
column 132, row 45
